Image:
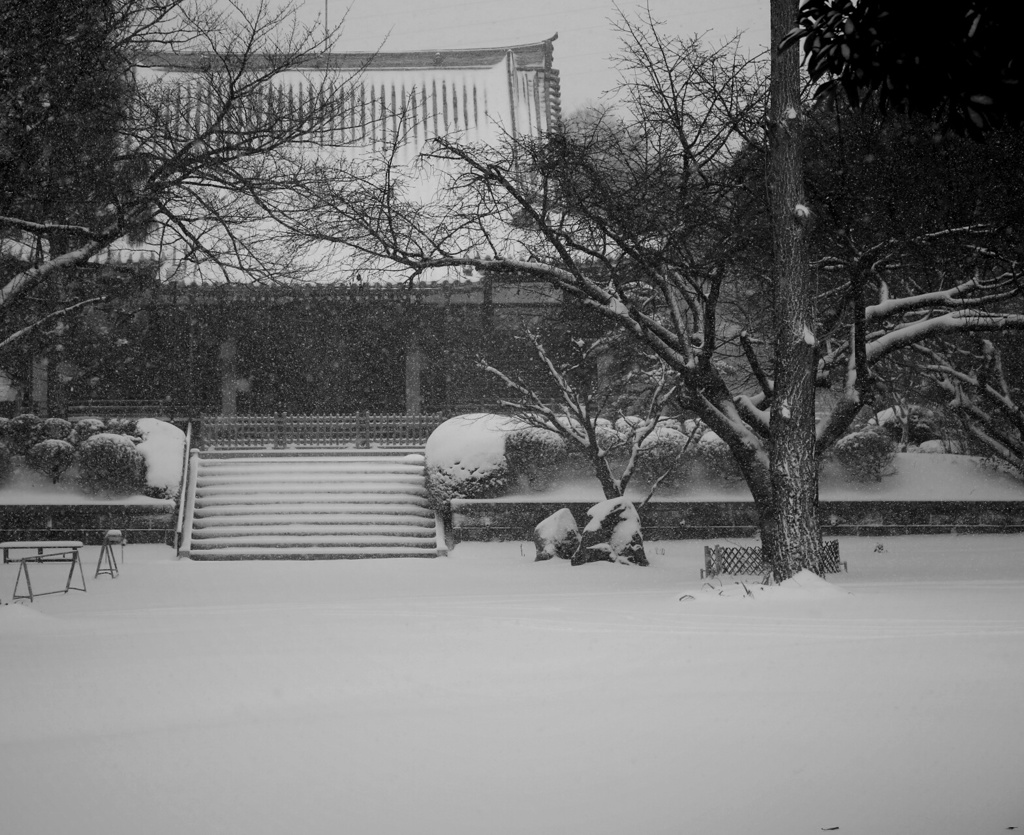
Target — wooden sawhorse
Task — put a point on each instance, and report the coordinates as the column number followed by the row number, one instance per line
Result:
column 44, row 552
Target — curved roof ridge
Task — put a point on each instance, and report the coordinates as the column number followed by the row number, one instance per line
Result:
column 537, row 55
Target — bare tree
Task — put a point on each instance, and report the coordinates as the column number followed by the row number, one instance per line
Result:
column 223, row 112
column 583, row 410
column 646, row 218
column 982, row 395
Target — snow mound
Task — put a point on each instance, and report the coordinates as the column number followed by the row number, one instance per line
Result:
column 163, row 448
column 808, row 582
column 804, row 585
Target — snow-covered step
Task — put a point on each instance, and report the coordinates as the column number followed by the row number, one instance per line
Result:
column 340, row 540
column 336, row 493
column 306, row 552
column 293, row 504
column 297, row 519
column 339, row 482
column 283, row 470
column 383, row 505
column 314, row 454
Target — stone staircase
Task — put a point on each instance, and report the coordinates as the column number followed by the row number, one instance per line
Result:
column 310, row 504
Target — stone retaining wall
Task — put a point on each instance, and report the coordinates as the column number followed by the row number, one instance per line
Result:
column 88, row 523
column 476, row 520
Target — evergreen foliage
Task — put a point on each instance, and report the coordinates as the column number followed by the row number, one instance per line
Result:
column 109, row 464
column 23, row 432
column 56, row 429
column 537, row 457
column 51, row 457
column 6, row 463
column 866, row 454
column 87, row 427
column 62, row 92
column 958, row 61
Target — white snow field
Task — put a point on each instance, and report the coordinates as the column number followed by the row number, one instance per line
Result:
column 485, row 694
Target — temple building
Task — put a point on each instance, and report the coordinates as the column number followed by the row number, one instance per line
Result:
column 332, row 345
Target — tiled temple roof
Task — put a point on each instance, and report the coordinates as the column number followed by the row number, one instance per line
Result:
column 533, row 56
column 480, row 94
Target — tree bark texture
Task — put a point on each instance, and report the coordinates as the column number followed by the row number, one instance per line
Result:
column 789, row 523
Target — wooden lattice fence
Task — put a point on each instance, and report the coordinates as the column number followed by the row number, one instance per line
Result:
column 284, row 430
column 739, row 559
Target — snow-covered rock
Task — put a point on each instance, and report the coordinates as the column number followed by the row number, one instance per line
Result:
column 466, row 458
column 557, row 536
column 612, row 534
column 163, row 448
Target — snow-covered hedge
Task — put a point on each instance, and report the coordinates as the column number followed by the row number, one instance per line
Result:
column 6, row 464
column 466, row 459
column 536, row 457
column 109, row 464
column 665, row 453
column 163, row 449
column 54, row 446
column 52, row 457
column 922, row 423
column 716, row 458
column 22, row 432
column 866, row 454
column 87, row 427
column 56, row 429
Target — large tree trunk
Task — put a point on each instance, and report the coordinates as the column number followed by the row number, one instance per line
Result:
column 789, row 523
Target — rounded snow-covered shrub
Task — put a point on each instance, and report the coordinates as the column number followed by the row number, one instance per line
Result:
column 110, row 464
column 22, row 433
column 613, row 443
column 163, row 449
column 535, row 456
column 123, row 426
column 922, row 424
column 466, row 459
column 665, row 452
column 6, row 464
column 716, row 458
column 57, row 429
column 866, row 454
column 87, row 427
column 631, row 423
column 52, row 457
column 953, row 447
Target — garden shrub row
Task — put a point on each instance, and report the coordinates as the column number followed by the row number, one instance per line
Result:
column 675, row 453
column 102, row 454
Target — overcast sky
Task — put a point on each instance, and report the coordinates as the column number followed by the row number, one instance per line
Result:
column 585, row 37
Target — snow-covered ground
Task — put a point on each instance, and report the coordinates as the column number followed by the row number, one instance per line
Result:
column 487, row 694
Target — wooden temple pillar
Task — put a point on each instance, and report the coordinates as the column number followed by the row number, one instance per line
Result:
column 40, row 402
column 228, row 367
column 415, row 361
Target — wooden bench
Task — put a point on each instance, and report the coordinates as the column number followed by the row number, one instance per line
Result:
column 42, row 552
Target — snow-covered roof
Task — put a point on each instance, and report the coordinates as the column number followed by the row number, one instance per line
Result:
column 481, row 94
